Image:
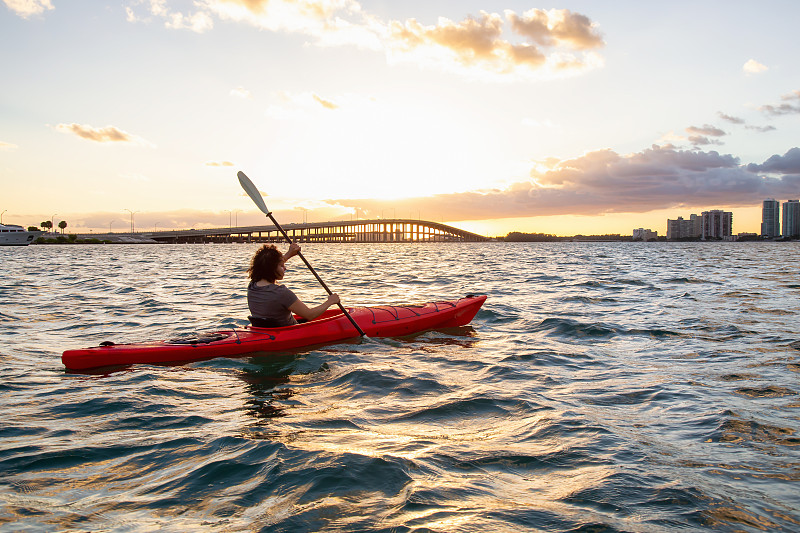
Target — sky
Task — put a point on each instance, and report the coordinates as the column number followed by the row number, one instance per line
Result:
column 580, row 117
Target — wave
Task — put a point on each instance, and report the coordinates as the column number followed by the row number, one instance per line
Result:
column 570, row 328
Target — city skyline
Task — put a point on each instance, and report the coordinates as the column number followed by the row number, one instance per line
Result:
column 519, row 117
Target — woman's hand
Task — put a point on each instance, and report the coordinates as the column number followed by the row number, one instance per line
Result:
column 294, row 249
column 310, row 313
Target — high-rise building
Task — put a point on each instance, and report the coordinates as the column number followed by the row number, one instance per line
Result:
column 791, row 219
column 717, row 224
column 770, row 219
column 697, row 225
column 642, row 234
column 682, row 229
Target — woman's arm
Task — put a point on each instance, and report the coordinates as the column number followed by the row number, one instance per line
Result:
column 293, row 250
column 310, row 313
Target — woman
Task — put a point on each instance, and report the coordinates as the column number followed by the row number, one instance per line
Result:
column 271, row 305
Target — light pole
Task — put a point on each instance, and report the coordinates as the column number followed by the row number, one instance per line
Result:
column 132, row 213
column 1, row 215
column 52, row 221
column 236, row 217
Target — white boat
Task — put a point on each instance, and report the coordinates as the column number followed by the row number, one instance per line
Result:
column 11, row 235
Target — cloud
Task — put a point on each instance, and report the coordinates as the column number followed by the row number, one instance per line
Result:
column 7, row 146
column 471, row 42
column 109, row 134
column 197, row 22
column 705, row 129
column 699, row 136
column 200, row 21
column 741, row 121
column 28, row 8
column 605, row 182
column 754, row 67
column 535, row 44
column 790, row 106
column 732, row 120
column 325, row 20
column 325, row 103
column 789, row 163
column 761, row 129
column 556, row 27
column 130, row 15
column 218, row 164
column 553, row 42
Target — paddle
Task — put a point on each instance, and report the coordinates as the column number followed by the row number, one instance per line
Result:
column 254, row 195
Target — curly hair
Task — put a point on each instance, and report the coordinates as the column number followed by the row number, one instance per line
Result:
column 264, row 264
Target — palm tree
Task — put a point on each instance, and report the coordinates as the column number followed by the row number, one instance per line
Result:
column 62, row 225
column 47, row 224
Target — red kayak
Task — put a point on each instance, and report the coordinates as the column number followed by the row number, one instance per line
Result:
column 332, row 326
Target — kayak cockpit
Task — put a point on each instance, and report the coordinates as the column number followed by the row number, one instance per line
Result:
column 263, row 323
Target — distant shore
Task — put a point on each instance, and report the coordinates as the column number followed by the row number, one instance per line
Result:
column 75, row 239
column 511, row 237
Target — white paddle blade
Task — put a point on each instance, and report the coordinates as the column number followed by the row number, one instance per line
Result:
column 252, row 192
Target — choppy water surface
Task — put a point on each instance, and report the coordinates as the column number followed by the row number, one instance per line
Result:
column 602, row 387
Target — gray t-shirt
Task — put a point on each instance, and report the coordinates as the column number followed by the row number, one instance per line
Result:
column 272, row 303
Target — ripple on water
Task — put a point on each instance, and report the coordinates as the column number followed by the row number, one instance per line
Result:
column 770, row 391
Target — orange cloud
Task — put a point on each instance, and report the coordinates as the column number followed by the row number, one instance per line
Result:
column 325, row 103
column 556, row 27
column 554, row 39
column 109, row 134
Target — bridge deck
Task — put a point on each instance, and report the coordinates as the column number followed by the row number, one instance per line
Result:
column 376, row 230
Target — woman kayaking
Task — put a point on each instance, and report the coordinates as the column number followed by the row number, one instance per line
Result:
column 272, row 305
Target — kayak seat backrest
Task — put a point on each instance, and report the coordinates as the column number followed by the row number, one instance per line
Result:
column 260, row 322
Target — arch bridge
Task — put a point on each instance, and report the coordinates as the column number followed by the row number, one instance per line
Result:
column 353, row 231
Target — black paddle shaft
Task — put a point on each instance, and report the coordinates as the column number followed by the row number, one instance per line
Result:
column 324, row 286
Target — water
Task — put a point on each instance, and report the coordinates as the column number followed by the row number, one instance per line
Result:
column 602, row 387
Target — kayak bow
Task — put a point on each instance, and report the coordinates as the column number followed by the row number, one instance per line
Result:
column 331, row 326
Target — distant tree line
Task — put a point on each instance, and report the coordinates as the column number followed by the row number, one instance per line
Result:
column 516, row 236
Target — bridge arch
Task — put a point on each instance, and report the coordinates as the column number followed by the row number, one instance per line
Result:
column 353, row 231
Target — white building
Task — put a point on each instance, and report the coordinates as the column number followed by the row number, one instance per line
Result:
column 683, row 229
column 641, row 234
column 791, row 219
